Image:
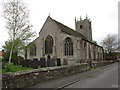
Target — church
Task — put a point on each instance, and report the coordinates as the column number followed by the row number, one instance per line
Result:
column 57, row 40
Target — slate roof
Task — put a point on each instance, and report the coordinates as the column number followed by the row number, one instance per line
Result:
column 72, row 32
column 68, row 30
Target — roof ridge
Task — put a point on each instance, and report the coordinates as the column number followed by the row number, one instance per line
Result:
column 63, row 24
column 68, row 28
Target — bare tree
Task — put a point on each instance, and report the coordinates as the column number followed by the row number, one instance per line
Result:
column 110, row 43
column 16, row 15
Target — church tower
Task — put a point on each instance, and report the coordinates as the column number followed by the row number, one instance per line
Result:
column 84, row 27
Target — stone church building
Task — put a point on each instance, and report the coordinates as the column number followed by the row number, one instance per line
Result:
column 57, row 40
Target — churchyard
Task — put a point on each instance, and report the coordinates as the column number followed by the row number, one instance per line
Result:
column 26, row 78
column 14, row 68
column 20, row 65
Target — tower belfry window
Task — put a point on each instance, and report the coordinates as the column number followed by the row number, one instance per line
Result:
column 81, row 26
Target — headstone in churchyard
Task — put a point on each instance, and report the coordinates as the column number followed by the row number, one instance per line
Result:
column 51, row 62
column 23, row 63
column 17, row 63
column 31, row 63
column 14, row 62
column 48, row 62
column 42, row 62
column 65, row 61
column 20, row 62
column 58, row 62
column 35, row 63
column 38, row 62
column 27, row 62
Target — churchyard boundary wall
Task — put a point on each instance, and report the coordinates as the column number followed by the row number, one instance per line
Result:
column 22, row 79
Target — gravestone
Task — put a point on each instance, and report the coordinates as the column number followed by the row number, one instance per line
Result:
column 20, row 61
column 14, row 62
column 17, row 62
column 27, row 62
column 65, row 61
column 48, row 62
column 51, row 62
column 58, row 62
column 23, row 63
column 31, row 63
column 42, row 62
column 35, row 63
column 38, row 62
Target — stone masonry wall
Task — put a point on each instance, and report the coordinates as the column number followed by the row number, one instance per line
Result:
column 22, row 79
column 27, row 78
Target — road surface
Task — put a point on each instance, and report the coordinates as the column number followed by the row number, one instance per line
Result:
column 102, row 77
column 107, row 78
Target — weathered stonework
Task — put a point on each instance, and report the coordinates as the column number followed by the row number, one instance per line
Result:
column 83, row 48
column 22, row 79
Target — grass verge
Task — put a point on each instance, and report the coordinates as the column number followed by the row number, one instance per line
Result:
column 14, row 68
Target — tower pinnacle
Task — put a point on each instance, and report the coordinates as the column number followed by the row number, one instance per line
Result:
column 86, row 16
column 75, row 19
column 80, row 18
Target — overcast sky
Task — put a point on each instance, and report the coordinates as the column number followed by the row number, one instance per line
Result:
column 103, row 14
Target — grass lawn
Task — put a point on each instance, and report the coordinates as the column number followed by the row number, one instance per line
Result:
column 15, row 68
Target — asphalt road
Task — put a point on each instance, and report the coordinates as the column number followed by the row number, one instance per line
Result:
column 107, row 78
column 102, row 77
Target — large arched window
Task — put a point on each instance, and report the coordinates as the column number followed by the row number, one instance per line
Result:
column 48, row 45
column 68, row 47
column 33, row 50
